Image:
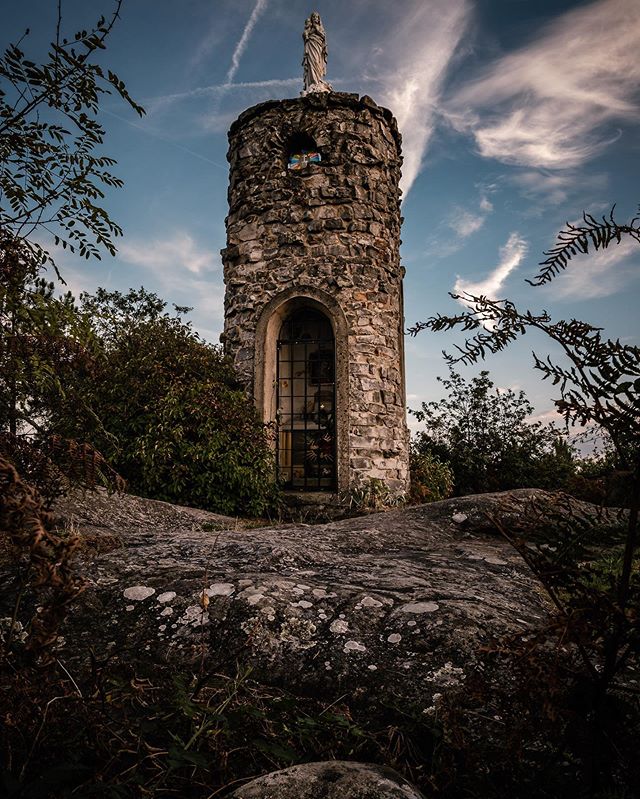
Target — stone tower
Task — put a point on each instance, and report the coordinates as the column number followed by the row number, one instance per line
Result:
column 313, row 301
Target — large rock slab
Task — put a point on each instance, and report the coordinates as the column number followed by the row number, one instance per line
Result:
column 336, row 779
column 391, row 607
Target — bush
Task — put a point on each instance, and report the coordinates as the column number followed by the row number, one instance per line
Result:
column 431, row 479
column 488, row 439
column 372, row 495
column 599, row 385
column 167, row 411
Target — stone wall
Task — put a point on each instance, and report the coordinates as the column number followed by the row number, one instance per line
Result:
column 332, row 228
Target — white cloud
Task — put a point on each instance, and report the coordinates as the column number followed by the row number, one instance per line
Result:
column 547, row 105
column 511, row 255
column 186, row 272
column 598, row 274
column 554, row 188
column 173, row 255
column 465, row 222
column 176, row 267
column 486, row 205
column 411, row 65
column 548, row 416
column 212, row 35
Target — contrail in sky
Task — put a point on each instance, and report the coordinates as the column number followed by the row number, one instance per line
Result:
column 166, row 140
column 244, row 39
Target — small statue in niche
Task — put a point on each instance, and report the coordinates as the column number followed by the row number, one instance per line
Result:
column 314, row 61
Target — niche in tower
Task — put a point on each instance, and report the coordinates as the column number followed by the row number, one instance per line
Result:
column 300, row 151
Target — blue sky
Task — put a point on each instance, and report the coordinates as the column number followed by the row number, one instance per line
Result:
column 516, row 115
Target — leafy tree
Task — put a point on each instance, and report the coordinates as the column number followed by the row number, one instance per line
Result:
column 487, row 437
column 51, row 182
column 45, row 344
column 43, row 341
column 166, row 409
column 51, row 178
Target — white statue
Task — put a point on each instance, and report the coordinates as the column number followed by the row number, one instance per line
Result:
column 314, row 61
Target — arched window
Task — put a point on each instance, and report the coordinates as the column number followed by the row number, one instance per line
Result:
column 306, row 401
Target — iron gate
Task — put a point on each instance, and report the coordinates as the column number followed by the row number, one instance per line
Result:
column 305, row 402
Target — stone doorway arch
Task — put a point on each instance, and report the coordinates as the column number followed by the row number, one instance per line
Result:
column 305, row 402
column 297, row 304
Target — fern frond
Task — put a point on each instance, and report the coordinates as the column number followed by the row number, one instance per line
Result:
column 575, row 239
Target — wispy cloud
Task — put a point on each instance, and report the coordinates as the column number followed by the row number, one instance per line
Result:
column 212, row 119
column 217, row 32
column 211, row 34
column 553, row 188
column 545, row 417
column 551, row 104
column 216, row 90
column 599, row 274
column 465, row 222
column 176, row 254
column 182, row 269
column 176, row 266
column 511, row 255
column 156, row 134
column 411, row 65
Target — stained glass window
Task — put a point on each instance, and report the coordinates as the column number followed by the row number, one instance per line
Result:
column 298, row 161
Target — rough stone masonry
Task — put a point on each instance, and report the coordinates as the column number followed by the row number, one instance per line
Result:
column 328, row 234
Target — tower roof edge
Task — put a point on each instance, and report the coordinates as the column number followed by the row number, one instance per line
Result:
column 318, row 101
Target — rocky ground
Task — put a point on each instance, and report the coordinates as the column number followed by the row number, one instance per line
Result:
column 396, row 605
column 410, row 638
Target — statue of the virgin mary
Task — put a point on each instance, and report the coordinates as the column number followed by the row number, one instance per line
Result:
column 314, row 62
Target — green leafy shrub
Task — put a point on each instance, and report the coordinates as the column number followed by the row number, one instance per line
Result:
column 431, row 478
column 488, row 439
column 52, row 178
column 372, row 495
column 167, row 411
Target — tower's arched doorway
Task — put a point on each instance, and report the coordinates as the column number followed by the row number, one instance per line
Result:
column 306, row 401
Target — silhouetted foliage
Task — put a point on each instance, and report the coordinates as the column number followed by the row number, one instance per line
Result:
column 51, row 179
column 599, row 386
column 51, row 182
column 576, row 239
column 41, row 562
